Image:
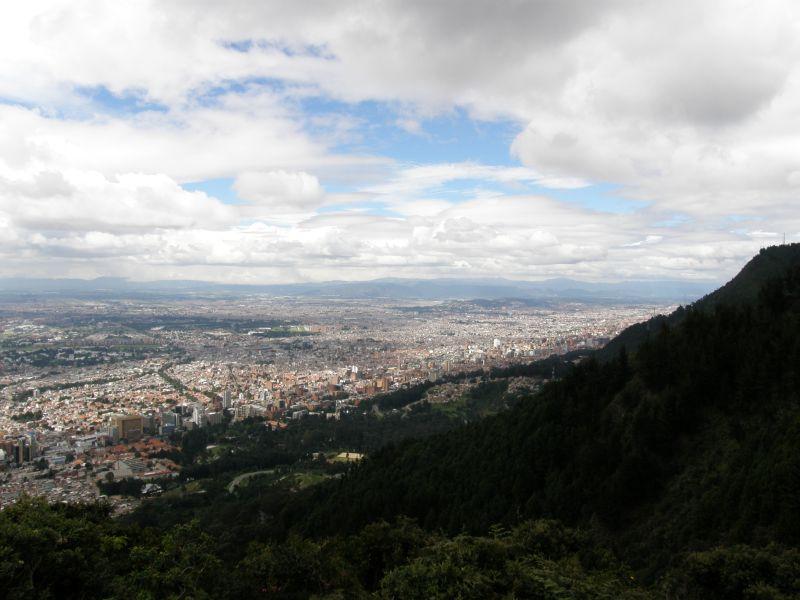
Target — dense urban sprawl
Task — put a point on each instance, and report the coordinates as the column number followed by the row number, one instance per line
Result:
column 100, row 390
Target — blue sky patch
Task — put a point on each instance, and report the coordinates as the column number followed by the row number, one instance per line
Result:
column 130, row 102
column 601, row 197
column 221, row 189
column 380, row 129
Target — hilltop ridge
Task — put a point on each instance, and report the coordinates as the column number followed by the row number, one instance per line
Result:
column 742, row 289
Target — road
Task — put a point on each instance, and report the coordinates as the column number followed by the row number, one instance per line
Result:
column 244, row 476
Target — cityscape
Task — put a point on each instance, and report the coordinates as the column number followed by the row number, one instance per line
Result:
column 96, row 390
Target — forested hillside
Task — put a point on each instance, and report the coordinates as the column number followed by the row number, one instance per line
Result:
column 745, row 288
column 691, row 442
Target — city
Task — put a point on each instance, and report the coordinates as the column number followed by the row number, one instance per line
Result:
column 100, row 390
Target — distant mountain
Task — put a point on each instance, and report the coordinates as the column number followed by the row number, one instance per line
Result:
column 423, row 289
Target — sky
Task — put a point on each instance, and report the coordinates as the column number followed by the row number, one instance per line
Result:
column 267, row 142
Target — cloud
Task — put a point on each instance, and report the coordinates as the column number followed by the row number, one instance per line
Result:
column 415, row 179
column 106, row 109
column 193, row 144
column 90, row 201
column 279, row 191
column 525, row 237
column 415, row 51
column 699, row 122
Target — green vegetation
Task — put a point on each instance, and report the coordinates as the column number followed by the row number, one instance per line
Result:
column 485, row 399
column 129, row 486
column 78, row 552
column 306, row 479
column 63, row 551
column 248, row 446
column 52, row 355
column 175, row 383
column 31, row 415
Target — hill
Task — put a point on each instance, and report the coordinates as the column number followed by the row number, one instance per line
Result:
column 690, row 444
column 744, row 288
column 770, row 263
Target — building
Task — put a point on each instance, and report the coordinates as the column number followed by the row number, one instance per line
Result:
column 349, row 457
column 21, row 451
column 126, row 427
column 129, row 467
column 149, row 424
column 245, row 411
column 227, row 401
column 199, row 416
column 170, row 422
column 33, row 446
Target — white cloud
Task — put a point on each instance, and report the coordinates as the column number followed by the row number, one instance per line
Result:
column 90, row 201
column 280, row 191
column 691, row 108
column 416, row 179
column 187, row 145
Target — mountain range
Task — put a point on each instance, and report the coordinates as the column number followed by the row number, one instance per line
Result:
column 672, row 291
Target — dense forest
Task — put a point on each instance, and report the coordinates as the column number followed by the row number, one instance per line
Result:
column 79, row 552
column 668, row 469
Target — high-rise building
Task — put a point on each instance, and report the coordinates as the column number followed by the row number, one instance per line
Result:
column 149, row 423
column 170, row 421
column 33, row 446
column 21, row 451
column 126, row 427
column 199, row 416
column 226, row 399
